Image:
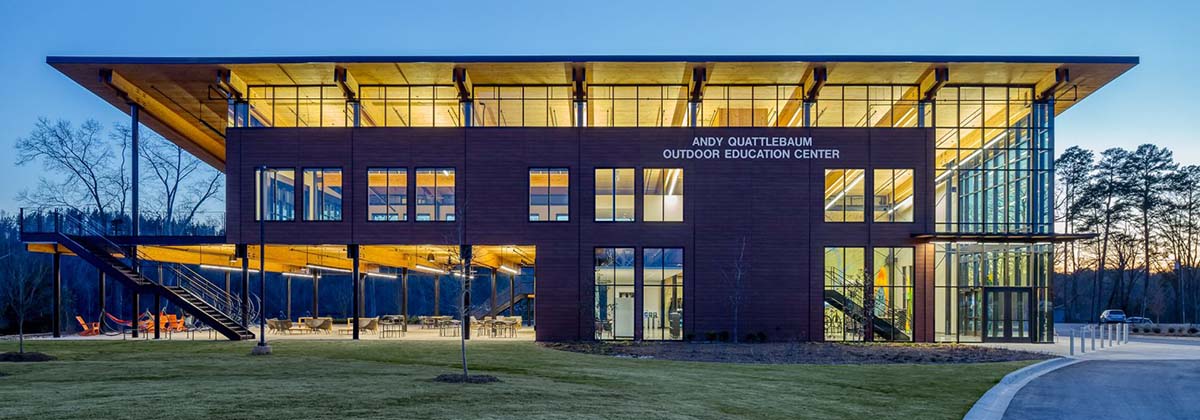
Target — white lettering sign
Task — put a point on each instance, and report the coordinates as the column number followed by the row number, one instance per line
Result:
column 748, row 148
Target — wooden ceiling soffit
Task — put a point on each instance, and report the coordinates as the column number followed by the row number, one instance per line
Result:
column 206, row 145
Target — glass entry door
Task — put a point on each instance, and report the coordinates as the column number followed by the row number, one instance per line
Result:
column 1007, row 312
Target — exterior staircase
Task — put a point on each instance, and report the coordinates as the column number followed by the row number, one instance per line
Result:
column 188, row 290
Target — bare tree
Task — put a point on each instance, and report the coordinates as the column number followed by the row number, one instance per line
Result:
column 23, row 283
column 83, row 157
column 183, row 181
column 735, row 277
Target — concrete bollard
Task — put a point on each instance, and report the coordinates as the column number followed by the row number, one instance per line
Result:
column 1072, row 347
column 1092, row 336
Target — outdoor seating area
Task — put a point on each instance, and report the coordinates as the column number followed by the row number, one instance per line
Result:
column 400, row 327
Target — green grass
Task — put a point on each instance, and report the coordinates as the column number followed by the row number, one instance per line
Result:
column 381, row 379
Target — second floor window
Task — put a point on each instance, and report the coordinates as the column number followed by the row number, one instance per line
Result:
column 548, row 196
column 387, row 194
column 322, row 194
column 845, row 195
column 614, row 195
column 435, row 194
column 893, row 195
column 275, row 194
column 662, row 198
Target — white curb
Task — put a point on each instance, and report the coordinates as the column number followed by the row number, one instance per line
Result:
column 993, row 404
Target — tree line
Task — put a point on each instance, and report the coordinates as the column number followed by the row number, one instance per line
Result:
column 1143, row 210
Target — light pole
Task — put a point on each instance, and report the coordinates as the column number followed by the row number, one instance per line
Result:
column 262, row 348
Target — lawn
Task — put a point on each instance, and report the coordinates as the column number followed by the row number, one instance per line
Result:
column 382, row 379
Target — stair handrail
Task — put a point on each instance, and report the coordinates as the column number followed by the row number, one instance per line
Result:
column 226, row 303
column 194, row 282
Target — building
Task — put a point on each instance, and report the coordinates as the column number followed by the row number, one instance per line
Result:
column 884, row 198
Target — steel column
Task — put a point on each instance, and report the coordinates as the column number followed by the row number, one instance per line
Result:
column 57, row 279
column 355, row 281
column 316, row 293
column 404, row 298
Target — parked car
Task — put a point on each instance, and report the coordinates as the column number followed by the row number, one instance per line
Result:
column 1138, row 320
column 1112, row 316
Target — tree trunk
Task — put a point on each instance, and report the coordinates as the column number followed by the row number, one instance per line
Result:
column 21, row 334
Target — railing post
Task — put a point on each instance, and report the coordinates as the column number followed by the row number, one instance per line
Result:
column 1103, row 328
column 1082, row 341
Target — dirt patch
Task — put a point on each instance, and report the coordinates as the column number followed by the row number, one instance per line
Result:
column 29, row 356
column 803, row 353
column 454, row 378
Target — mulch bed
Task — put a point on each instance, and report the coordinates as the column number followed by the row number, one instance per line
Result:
column 29, row 356
column 803, row 353
column 454, row 378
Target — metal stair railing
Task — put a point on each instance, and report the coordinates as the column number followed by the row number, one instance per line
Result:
column 228, row 304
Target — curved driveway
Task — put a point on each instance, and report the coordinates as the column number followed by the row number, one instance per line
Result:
column 1156, row 379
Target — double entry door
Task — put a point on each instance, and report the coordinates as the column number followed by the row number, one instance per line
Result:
column 1007, row 314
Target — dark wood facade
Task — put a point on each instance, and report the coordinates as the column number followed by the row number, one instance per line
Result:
column 777, row 205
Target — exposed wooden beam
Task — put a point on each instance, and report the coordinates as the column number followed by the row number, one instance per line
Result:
column 813, row 85
column 932, row 81
column 1049, row 86
column 696, row 87
column 346, row 81
column 204, row 144
column 462, row 81
column 233, row 85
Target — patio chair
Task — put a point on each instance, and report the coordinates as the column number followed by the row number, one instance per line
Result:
column 89, row 328
column 368, row 324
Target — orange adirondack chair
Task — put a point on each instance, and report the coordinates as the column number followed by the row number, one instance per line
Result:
column 89, row 328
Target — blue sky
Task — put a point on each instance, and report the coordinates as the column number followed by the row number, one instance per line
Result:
column 1152, row 103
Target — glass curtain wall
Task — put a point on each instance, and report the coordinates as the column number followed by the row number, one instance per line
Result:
column 867, row 106
column 994, row 155
column 522, row 106
column 662, row 294
column 614, row 283
column 845, row 287
column 410, row 106
column 964, row 272
column 752, row 106
column 298, row 106
column 637, row 106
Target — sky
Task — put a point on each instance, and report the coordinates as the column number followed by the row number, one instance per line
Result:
column 1149, row 104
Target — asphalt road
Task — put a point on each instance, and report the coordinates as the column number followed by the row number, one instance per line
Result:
column 1112, row 389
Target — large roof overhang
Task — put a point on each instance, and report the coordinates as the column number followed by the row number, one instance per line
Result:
column 181, row 97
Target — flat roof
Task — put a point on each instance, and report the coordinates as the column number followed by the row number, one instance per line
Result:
column 179, row 100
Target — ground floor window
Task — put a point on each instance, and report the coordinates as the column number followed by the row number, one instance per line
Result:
column 892, row 291
column 662, row 294
column 614, row 300
column 845, row 275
